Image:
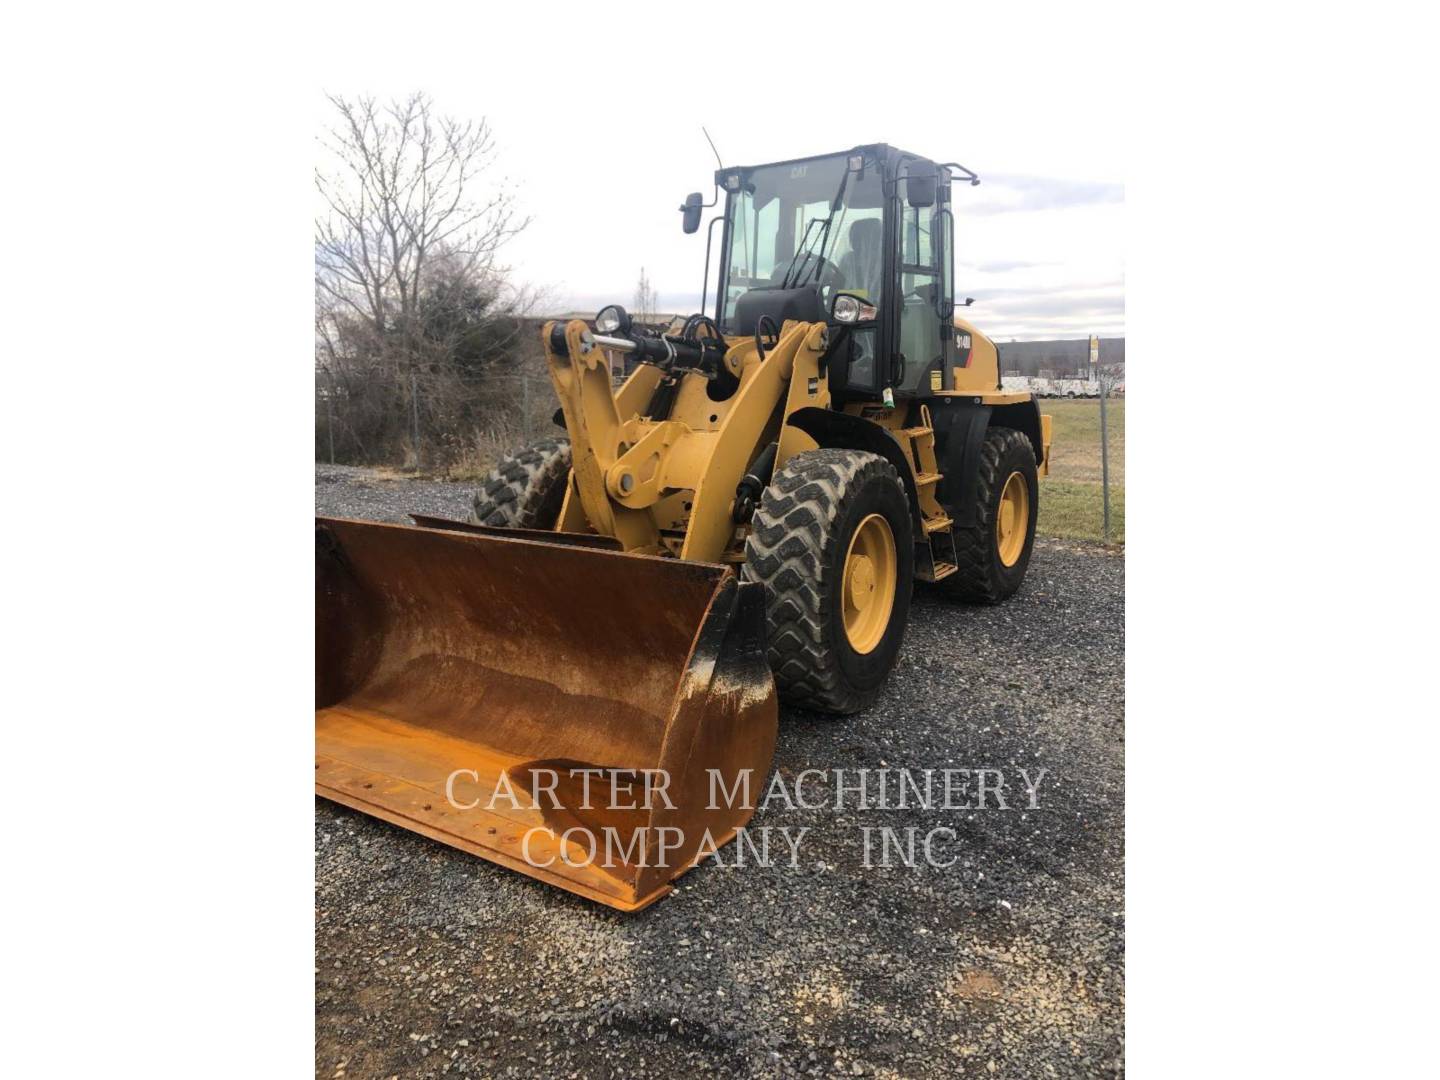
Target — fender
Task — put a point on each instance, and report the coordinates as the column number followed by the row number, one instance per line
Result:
column 841, row 431
column 1024, row 417
column 960, row 428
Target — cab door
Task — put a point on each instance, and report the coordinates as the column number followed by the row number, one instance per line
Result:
column 924, row 342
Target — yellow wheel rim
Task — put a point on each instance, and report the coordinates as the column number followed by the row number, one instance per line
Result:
column 1012, row 520
column 871, row 570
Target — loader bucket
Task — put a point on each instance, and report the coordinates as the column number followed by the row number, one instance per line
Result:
column 564, row 710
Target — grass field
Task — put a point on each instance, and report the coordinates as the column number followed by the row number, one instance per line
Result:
column 1070, row 503
column 1070, row 497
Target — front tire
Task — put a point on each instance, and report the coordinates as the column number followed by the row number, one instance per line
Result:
column 832, row 543
column 526, row 489
column 992, row 556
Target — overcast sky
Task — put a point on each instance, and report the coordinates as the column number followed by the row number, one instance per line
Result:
column 600, row 157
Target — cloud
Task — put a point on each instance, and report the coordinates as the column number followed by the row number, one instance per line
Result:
column 1104, row 299
column 1058, row 328
column 1062, row 311
column 1003, row 266
column 1009, row 193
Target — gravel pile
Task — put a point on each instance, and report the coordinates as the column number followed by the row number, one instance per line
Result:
column 1009, row 962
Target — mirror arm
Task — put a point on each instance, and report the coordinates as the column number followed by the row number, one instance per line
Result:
column 968, row 174
column 705, row 283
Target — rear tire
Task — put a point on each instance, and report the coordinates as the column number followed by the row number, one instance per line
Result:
column 993, row 557
column 831, row 519
column 526, row 489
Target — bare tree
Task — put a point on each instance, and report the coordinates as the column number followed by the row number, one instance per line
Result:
column 402, row 189
column 413, row 309
column 645, row 299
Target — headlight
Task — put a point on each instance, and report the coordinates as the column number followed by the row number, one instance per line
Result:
column 611, row 319
column 851, row 309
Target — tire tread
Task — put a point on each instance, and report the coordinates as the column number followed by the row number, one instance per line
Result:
column 525, row 489
column 974, row 579
column 790, row 545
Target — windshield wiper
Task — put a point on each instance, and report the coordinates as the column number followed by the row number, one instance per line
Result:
column 804, row 248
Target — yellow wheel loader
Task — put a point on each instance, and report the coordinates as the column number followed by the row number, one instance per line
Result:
column 581, row 681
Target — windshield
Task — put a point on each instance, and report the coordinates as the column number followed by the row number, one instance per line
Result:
column 785, row 229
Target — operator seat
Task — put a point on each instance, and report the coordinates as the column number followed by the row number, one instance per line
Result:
column 862, row 266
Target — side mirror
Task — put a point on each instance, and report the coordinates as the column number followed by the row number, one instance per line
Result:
column 921, row 185
column 850, row 310
column 694, row 203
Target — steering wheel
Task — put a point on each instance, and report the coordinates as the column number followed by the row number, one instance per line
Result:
column 766, row 325
column 828, row 273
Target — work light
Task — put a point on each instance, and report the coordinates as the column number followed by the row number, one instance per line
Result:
column 611, row 319
column 851, row 309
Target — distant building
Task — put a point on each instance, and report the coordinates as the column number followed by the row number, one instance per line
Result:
column 1057, row 359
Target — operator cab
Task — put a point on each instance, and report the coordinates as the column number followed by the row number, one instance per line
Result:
column 872, row 224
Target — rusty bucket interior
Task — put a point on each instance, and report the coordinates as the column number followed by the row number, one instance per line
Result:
column 554, row 707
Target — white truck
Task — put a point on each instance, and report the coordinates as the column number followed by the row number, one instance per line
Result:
column 1053, row 388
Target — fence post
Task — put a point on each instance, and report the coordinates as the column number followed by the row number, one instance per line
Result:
column 415, row 415
column 524, row 403
column 1105, row 454
column 330, row 414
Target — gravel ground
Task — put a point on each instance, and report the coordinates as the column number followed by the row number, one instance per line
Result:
column 1010, row 962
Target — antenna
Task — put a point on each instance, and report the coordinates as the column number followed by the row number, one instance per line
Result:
column 711, row 141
